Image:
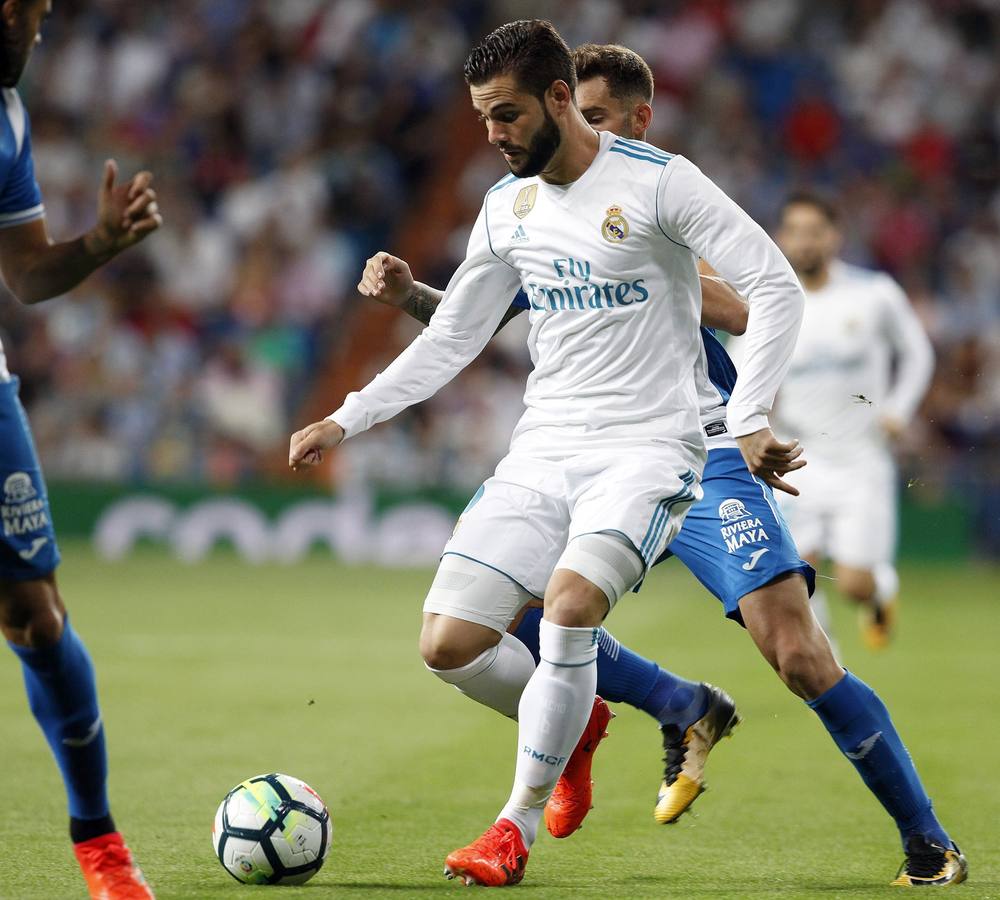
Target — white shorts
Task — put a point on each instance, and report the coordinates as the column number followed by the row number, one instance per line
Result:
column 845, row 513
column 521, row 519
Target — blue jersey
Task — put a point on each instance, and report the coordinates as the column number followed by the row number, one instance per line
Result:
column 721, row 371
column 28, row 548
column 20, row 198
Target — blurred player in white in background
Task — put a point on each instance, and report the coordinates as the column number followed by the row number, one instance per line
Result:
column 859, row 371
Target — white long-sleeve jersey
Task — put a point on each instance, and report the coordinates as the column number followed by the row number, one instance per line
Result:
column 608, row 264
column 842, row 382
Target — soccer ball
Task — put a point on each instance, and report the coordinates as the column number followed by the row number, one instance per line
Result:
column 272, row 829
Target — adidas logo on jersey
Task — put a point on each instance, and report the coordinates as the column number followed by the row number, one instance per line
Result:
column 519, row 236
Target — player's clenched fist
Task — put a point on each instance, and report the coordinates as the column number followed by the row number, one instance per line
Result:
column 768, row 458
column 387, row 279
column 307, row 446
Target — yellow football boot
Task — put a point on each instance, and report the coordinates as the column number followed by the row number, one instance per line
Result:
column 931, row 865
column 684, row 763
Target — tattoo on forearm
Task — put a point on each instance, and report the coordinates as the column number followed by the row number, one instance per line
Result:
column 421, row 303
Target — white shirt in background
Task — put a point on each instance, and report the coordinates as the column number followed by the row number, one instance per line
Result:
column 862, row 356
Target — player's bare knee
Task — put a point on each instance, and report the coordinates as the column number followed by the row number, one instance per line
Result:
column 794, row 664
column 441, row 655
column 573, row 602
column 448, row 643
column 805, row 662
column 594, row 571
column 790, row 648
column 467, row 610
column 31, row 612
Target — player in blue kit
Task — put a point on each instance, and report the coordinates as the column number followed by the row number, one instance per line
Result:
column 736, row 543
column 58, row 673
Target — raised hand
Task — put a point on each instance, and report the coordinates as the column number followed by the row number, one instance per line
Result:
column 126, row 213
column 386, row 278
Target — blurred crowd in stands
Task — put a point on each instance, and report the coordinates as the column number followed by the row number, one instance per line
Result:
column 290, row 140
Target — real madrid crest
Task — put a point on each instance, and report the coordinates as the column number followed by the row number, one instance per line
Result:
column 614, row 228
column 525, row 200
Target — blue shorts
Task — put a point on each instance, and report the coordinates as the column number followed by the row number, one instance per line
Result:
column 28, row 545
column 734, row 540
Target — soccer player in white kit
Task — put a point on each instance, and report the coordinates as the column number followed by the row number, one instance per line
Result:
column 602, row 459
column 860, row 368
column 603, row 235
column 614, row 93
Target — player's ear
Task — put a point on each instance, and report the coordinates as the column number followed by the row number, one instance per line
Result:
column 641, row 119
column 8, row 12
column 560, row 96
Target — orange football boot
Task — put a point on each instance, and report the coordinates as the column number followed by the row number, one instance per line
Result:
column 496, row 859
column 109, row 870
column 571, row 800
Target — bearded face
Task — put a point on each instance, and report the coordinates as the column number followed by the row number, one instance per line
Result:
column 525, row 162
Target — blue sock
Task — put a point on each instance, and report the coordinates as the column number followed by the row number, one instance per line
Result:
column 860, row 726
column 62, row 695
column 671, row 700
column 625, row 677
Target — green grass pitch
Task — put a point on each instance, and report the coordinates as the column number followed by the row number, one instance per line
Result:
column 214, row 673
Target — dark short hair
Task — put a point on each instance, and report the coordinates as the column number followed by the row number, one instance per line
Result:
column 628, row 75
column 530, row 49
column 816, row 199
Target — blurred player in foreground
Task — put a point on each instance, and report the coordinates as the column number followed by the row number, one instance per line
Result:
column 861, row 366
column 58, row 673
column 603, row 234
column 614, row 93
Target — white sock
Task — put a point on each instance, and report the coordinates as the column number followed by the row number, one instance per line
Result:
column 496, row 678
column 555, row 708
